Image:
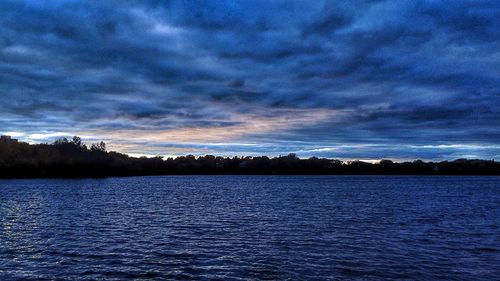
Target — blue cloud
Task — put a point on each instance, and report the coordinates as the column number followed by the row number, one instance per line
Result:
column 383, row 74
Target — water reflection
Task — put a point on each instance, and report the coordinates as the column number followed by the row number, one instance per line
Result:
column 251, row 228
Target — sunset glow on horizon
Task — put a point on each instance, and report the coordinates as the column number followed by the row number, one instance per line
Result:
column 338, row 79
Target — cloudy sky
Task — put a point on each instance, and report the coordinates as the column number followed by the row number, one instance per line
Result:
column 342, row 79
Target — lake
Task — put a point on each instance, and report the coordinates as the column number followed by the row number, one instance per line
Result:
column 251, row 228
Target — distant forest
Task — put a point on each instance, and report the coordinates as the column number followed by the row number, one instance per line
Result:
column 71, row 158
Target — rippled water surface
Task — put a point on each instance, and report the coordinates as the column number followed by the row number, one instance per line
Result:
column 251, row 227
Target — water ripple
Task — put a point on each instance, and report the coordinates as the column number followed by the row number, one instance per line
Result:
column 251, row 228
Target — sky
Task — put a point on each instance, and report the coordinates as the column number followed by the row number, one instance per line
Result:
column 339, row 79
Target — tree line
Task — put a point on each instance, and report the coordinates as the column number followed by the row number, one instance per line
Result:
column 72, row 158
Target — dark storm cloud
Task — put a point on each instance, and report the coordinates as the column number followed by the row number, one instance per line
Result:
column 385, row 73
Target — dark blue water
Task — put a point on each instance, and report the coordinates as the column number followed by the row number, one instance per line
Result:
column 251, row 228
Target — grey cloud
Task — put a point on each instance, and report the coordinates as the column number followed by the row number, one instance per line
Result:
column 401, row 72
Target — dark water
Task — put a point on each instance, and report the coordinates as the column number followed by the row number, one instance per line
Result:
column 251, row 227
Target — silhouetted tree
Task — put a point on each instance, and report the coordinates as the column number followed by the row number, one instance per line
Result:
column 100, row 146
column 77, row 141
column 72, row 158
column 61, row 141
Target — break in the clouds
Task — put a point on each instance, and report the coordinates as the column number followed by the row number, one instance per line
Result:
column 344, row 79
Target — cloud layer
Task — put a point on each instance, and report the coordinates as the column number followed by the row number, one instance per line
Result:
column 346, row 79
